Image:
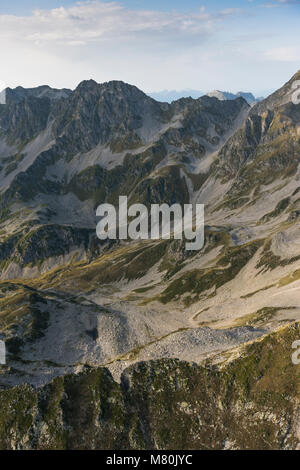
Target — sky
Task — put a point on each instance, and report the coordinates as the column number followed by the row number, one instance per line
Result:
column 248, row 45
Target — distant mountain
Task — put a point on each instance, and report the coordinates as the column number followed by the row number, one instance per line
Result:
column 249, row 97
column 172, row 95
column 225, row 95
column 222, row 95
column 18, row 94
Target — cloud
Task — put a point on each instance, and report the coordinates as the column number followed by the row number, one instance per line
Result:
column 103, row 40
column 96, row 21
column 152, row 49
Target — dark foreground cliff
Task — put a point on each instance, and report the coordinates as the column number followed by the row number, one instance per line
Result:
column 251, row 402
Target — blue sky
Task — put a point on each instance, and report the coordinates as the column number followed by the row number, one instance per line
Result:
column 26, row 6
column 230, row 45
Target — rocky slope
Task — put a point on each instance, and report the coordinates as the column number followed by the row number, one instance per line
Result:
column 72, row 307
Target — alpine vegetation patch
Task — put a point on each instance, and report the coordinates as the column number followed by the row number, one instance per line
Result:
column 163, row 222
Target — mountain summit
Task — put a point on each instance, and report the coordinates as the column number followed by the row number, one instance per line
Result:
column 225, row 95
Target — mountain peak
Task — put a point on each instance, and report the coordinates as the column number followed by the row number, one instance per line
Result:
column 296, row 76
column 282, row 96
column 221, row 95
column 18, row 94
column 226, row 95
column 87, row 84
column 112, row 85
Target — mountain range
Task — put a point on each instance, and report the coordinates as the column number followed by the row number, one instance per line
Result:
column 110, row 342
column 173, row 95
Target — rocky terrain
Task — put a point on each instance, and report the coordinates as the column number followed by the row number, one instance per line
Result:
column 101, row 323
column 251, row 402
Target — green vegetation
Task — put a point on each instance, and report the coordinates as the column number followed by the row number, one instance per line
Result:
column 295, row 276
column 248, row 403
column 259, row 318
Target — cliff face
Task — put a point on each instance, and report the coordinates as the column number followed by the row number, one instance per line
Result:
column 247, row 403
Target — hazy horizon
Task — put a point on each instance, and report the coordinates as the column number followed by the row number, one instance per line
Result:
column 247, row 45
column 185, row 92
